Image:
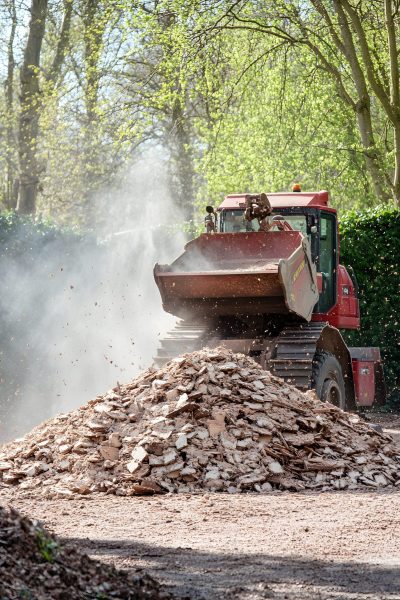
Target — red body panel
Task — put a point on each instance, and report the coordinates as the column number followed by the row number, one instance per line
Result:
column 364, row 381
column 282, row 200
column 365, row 363
column 346, row 313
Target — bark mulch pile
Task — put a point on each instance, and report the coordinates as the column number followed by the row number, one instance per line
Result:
column 209, row 420
column 37, row 566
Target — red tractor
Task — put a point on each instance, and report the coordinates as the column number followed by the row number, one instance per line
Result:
column 266, row 281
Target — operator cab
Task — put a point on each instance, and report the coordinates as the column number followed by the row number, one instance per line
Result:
column 317, row 226
column 309, row 213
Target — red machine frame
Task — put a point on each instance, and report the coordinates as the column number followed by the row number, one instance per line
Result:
column 369, row 385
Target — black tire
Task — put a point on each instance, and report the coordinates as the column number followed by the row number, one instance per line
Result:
column 328, row 379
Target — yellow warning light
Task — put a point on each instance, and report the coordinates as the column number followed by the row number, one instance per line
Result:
column 296, row 187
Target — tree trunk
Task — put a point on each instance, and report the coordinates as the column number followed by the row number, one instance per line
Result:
column 178, row 134
column 10, row 198
column 396, row 176
column 362, row 107
column 182, row 158
column 94, row 22
column 371, row 155
column 62, row 44
column 93, row 39
column 30, row 106
column 390, row 12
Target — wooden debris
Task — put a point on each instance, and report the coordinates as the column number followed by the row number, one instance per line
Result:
column 34, row 564
column 209, row 420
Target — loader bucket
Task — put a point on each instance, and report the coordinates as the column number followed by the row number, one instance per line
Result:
column 255, row 273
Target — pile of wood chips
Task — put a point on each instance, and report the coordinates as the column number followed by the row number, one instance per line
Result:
column 211, row 420
column 36, row 565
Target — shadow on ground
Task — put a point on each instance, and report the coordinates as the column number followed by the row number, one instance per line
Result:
column 198, row 575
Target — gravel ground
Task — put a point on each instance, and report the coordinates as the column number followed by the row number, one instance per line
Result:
column 330, row 546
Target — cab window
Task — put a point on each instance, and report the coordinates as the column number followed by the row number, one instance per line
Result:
column 233, row 221
column 297, row 222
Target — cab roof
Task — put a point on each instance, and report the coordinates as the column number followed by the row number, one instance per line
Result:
column 281, row 200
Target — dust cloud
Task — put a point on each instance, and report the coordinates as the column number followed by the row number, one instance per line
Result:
column 76, row 319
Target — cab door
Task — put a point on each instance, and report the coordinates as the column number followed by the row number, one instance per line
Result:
column 327, row 262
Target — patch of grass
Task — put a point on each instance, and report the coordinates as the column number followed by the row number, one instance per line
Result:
column 48, row 547
column 25, row 594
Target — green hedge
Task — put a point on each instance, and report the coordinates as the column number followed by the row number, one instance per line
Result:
column 370, row 243
column 25, row 236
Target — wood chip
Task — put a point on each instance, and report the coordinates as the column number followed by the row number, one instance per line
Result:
column 210, row 420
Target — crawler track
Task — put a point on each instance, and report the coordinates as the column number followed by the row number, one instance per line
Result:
column 294, row 353
column 184, row 337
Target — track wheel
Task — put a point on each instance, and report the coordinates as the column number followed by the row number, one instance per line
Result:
column 328, row 379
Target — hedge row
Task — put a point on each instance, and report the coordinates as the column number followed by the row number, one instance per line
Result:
column 21, row 237
column 370, row 243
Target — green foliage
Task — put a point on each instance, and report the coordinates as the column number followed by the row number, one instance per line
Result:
column 24, row 236
column 277, row 122
column 25, row 594
column 314, row 78
column 370, row 243
column 48, row 547
column 234, row 106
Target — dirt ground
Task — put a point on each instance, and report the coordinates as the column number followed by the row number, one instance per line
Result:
column 331, row 546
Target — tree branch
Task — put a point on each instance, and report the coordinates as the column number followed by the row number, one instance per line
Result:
column 377, row 87
column 394, row 62
column 63, row 43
